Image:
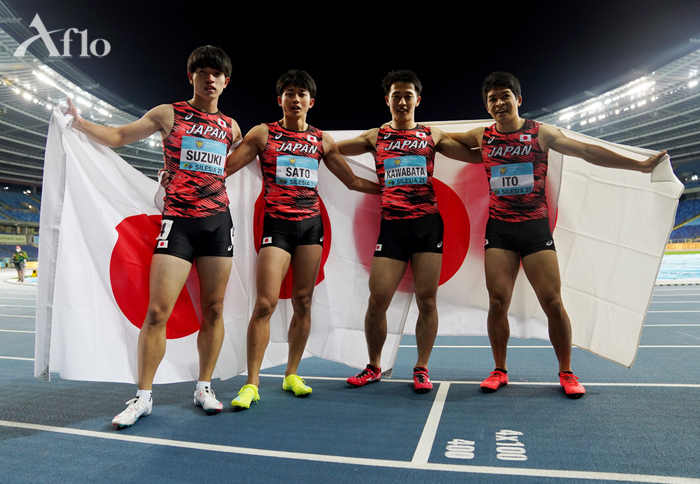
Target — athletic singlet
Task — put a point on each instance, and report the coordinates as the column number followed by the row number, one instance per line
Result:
column 195, row 155
column 516, row 168
column 289, row 165
column 404, row 162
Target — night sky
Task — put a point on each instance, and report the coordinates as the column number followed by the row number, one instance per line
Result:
column 556, row 49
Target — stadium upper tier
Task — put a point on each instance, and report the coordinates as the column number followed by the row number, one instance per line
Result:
column 32, row 85
column 656, row 107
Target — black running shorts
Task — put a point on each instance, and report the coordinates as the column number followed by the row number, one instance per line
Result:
column 189, row 238
column 289, row 234
column 525, row 238
column 400, row 239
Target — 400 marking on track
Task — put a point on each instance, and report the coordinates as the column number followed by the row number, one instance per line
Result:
column 508, row 447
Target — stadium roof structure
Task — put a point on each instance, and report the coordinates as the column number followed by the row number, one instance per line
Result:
column 656, row 106
column 32, row 85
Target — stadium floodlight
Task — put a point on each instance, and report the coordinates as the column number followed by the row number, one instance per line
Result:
column 83, row 101
column 567, row 116
column 45, row 79
column 640, row 88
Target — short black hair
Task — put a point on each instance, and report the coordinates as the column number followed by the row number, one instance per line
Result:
column 401, row 76
column 299, row 78
column 504, row 80
column 209, row 56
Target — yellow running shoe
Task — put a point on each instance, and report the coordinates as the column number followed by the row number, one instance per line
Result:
column 246, row 395
column 295, row 384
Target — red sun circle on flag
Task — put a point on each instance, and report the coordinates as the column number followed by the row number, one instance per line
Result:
column 259, row 217
column 129, row 270
column 455, row 239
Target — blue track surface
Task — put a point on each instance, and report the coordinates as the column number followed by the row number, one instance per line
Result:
column 633, row 425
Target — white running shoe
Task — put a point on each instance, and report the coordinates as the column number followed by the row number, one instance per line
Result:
column 206, row 399
column 136, row 408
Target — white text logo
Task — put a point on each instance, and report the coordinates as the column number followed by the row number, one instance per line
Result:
column 98, row 47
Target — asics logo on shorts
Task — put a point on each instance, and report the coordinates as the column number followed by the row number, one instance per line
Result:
column 549, row 243
column 440, row 244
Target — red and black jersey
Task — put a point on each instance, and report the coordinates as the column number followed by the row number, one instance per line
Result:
column 289, row 165
column 516, row 168
column 195, row 155
column 404, row 160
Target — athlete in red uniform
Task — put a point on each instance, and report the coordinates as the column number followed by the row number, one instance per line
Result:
column 411, row 226
column 196, row 141
column 290, row 153
column 514, row 152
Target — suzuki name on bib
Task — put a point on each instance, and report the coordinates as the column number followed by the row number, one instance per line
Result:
column 297, row 171
column 406, row 170
column 203, row 155
column 514, row 179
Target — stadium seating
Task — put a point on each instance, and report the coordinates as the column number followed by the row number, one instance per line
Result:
column 17, row 200
column 687, row 211
column 17, row 206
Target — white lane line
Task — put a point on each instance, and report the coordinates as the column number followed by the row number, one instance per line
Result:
column 16, row 331
column 541, row 347
column 425, row 444
column 681, row 311
column 667, row 325
column 471, row 382
column 16, row 306
column 15, row 358
column 333, row 459
column 521, row 383
column 15, row 316
column 675, row 302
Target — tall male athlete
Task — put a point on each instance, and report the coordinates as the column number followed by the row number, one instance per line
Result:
column 290, row 153
column 411, row 225
column 518, row 227
column 196, row 224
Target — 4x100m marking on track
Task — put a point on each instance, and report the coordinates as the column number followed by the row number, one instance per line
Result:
column 508, row 447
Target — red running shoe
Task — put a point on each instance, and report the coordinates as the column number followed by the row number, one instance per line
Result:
column 497, row 380
column 421, row 380
column 571, row 386
column 369, row 375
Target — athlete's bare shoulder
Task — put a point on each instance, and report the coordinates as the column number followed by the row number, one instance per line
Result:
column 164, row 116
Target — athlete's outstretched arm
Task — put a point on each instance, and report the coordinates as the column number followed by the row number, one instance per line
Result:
column 159, row 119
column 451, row 148
column 253, row 143
column 359, row 145
column 551, row 137
column 337, row 165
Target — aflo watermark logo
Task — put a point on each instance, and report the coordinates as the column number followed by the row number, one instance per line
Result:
column 98, row 47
